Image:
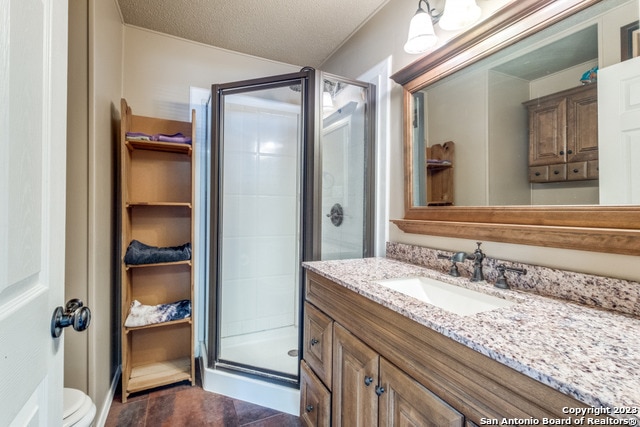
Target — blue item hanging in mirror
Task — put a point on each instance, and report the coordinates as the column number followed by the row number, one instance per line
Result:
column 590, row 76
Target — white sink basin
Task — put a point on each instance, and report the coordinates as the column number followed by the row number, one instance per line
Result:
column 448, row 297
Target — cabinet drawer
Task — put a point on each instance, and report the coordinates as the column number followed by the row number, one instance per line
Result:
column 557, row 172
column 317, row 343
column 549, row 173
column 315, row 399
column 576, row 171
column 593, row 169
column 539, row 174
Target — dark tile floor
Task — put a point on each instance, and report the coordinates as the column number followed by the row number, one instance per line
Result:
column 185, row 405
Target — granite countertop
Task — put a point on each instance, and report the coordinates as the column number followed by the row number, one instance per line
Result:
column 590, row 354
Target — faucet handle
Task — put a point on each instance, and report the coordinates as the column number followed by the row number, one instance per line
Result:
column 453, row 270
column 501, row 281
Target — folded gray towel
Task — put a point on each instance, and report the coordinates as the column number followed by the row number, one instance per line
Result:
column 140, row 253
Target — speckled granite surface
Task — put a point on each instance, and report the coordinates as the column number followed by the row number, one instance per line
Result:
column 596, row 291
column 590, row 354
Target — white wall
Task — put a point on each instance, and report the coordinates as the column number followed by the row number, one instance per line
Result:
column 159, row 69
column 95, row 83
column 384, row 35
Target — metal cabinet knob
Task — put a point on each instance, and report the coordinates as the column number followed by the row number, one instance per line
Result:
column 379, row 390
column 309, row 408
column 368, row 381
column 314, row 341
column 74, row 314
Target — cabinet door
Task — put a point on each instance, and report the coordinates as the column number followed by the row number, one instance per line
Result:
column 355, row 378
column 315, row 399
column 317, row 342
column 582, row 125
column 405, row 402
column 547, row 134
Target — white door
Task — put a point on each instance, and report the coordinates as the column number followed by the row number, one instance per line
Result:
column 33, row 90
column 619, row 137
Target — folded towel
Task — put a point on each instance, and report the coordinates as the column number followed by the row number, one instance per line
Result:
column 139, row 136
column 142, row 315
column 140, row 253
column 176, row 137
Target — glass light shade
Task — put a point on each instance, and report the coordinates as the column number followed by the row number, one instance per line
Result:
column 421, row 34
column 459, row 14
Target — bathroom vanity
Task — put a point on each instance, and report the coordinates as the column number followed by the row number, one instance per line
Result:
column 374, row 356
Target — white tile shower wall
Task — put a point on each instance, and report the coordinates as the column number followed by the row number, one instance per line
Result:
column 343, row 182
column 259, row 220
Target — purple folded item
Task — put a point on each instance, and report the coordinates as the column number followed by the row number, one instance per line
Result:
column 176, row 137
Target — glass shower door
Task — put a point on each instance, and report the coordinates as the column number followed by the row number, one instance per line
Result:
column 292, row 170
column 347, row 146
column 259, row 232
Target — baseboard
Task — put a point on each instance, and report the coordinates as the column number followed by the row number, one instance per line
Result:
column 274, row 396
column 103, row 413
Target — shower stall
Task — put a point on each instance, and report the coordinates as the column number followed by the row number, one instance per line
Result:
column 291, row 180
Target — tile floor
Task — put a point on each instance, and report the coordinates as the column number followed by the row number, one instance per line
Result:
column 185, row 405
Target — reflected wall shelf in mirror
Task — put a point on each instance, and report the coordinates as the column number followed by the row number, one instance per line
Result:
column 440, row 174
column 611, row 229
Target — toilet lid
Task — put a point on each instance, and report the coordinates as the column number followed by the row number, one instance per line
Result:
column 72, row 401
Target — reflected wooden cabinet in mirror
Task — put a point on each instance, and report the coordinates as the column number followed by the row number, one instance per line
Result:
column 563, row 135
column 571, row 224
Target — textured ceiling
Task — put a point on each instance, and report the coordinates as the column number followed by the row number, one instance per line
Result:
column 298, row 32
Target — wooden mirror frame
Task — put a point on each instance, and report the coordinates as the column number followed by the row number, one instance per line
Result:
column 611, row 229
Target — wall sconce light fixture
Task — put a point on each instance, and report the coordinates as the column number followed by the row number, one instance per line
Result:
column 422, row 36
column 457, row 14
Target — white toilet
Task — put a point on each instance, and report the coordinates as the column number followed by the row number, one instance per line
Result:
column 79, row 410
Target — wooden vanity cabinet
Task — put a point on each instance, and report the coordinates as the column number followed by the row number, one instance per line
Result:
column 425, row 378
column 370, row 391
column 563, row 135
column 315, row 398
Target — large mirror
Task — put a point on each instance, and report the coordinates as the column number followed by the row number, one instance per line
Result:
column 501, row 130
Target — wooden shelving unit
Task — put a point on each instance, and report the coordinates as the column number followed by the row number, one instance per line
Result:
column 157, row 199
column 440, row 174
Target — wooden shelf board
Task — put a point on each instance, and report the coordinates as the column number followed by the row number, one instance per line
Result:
column 157, row 325
column 131, row 204
column 159, row 146
column 159, row 373
column 433, row 167
column 159, row 264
